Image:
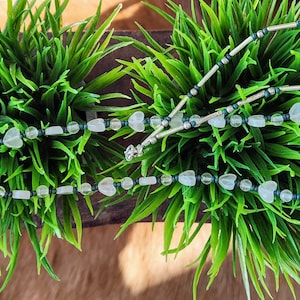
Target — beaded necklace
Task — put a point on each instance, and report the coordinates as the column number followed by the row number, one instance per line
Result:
column 135, row 151
column 13, row 138
column 108, row 186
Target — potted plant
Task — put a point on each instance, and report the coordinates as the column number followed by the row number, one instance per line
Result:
column 49, row 150
column 222, row 131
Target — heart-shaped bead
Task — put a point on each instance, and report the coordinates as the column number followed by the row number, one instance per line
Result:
column 12, row 138
column 187, row 178
column 96, row 125
column 227, row 181
column 106, row 186
column 266, row 191
column 136, row 121
column 295, row 113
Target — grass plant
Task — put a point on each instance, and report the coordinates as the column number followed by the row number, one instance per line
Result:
column 264, row 236
column 43, row 67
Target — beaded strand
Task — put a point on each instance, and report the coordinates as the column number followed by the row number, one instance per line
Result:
column 13, row 138
column 108, row 186
column 135, row 151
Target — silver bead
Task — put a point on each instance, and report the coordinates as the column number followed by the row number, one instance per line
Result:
column 165, row 123
column 153, row 140
column 187, row 125
column 194, row 92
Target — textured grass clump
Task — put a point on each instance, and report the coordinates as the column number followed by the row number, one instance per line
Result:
column 264, row 236
column 43, row 68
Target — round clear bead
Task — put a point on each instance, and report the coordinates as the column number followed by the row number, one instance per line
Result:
column 115, row 124
column 277, row 119
column 127, row 183
column 206, row 178
column 195, row 118
column 166, row 179
column 85, row 188
column 2, row 191
column 155, row 121
column 236, row 121
column 42, row 191
column 245, row 185
column 31, row 132
column 286, row 195
column 73, row 127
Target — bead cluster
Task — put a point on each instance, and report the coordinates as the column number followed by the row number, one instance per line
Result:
column 133, row 151
column 108, row 186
